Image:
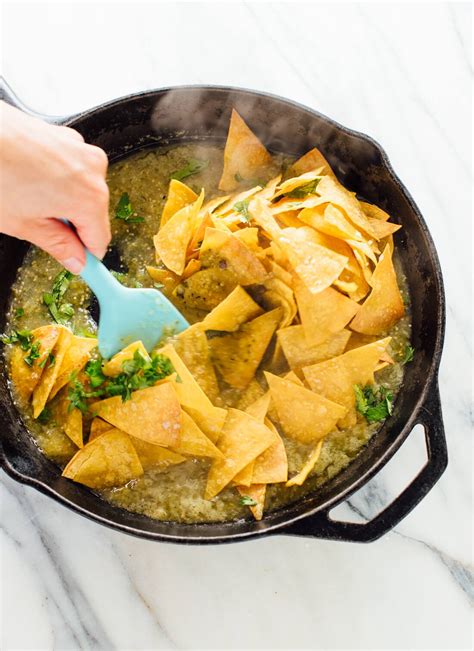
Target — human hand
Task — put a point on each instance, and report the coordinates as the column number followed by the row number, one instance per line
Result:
column 48, row 173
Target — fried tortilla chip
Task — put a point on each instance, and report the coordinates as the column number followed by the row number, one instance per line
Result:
column 114, row 366
column 179, row 196
column 75, row 358
column 300, row 478
column 335, row 378
column 238, row 355
column 164, row 277
column 297, row 181
column 98, row 427
column 324, row 314
column 384, row 305
column 251, row 394
column 300, row 352
column 107, row 461
column 256, row 493
column 312, row 160
column 258, row 410
column 154, row 456
column 152, row 414
column 262, row 214
column 191, row 268
column 193, row 442
column 210, row 421
column 328, row 219
column 374, row 212
column 271, row 466
column 26, row 377
column 242, row 439
column 41, row 393
column 303, row 415
column 171, row 242
column 278, row 294
column 73, row 427
column 207, row 288
column 228, row 252
column 317, row 266
column 193, row 348
column 235, row 309
column 244, row 155
column 249, row 236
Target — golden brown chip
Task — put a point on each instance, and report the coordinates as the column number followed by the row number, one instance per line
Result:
column 154, row 456
column 297, row 181
column 114, row 366
column 244, row 155
column 179, row 196
column 278, row 294
column 312, row 160
column 41, row 393
column 335, row 378
column 205, row 289
column 374, row 212
column 191, row 268
column 193, row 348
column 300, row 352
column 25, row 377
column 328, row 219
column 249, row 237
column 193, row 442
column 73, row 427
column 300, row 478
column 303, row 415
column 258, row 410
column 107, row 461
column 324, row 314
column 164, row 277
column 171, row 241
column 210, row 421
column 237, row 308
column 98, row 427
column 152, row 414
column 238, row 355
column 256, row 494
column 75, row 358
column 271, row 466
column 384, row 305
column 242, row 439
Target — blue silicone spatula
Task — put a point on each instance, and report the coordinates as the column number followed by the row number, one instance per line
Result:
column 127, row 314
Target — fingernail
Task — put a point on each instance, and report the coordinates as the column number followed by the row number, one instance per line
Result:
column 74, row 265
column 99, row 253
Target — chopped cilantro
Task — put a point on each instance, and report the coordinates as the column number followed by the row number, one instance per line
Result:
column 49, row 359
column 242, row 207
column 408, row 355
column 22, row 337
column 60, row 311
column 375, row 404
column 246, row 500
column 303, row 190
column 125, row 280
column 33, row 353
column 45, row 416
column 19, row 312
column 84, row 332
column 193, row 166
column 124, row 210
column 93, row 371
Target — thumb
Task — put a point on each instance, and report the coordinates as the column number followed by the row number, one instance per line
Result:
column 60, row 241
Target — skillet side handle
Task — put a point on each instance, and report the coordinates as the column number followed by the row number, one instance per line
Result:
column 8, row 96
column 322, row 526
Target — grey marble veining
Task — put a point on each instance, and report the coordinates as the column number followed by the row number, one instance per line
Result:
column 401, row 73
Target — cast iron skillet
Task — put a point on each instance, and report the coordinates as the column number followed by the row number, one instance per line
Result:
column 193, row 113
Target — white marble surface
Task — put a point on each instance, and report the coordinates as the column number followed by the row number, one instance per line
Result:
column 400, row 72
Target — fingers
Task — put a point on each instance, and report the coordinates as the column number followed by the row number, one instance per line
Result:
column 58, row 240
column 71, row 133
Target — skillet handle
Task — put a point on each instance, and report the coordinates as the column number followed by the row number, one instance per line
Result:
column 322, row 526
column 8, row 96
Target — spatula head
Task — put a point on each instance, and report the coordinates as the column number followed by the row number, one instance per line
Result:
column 129, row 315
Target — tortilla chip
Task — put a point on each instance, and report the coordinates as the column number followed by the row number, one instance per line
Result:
column 312, row 160
column 179, row 196
column 41, row 393
column 73, row 427
column 328, row 219
column 75, row 358
column 172, row 240
column 229, row 252
column 114, row 366
column 317, row 266
column 262, row 214
column 244, row 155
column 191, row 268
column 300, row 352
column 191, row 396
column 324, row 314
column 249, row 237
column 193, row 442
column 300, row 478
column 98, row 427
column 258, row 410
column 242, row 439
column 257, row 494
column 297, row 181
column 164, row 277
column 207, row 288
column 152, row 414
column 303, row 415
column 193, row 348
column 251, row 394
column 227, row 208
column 335, row 378
column 374, row 212
column 287, row 204
column 235, row 309
column 384, row 305
column 278, row 294
column 107, row 461
column 292, row 377
column 238, row 355
column 25, row 377
column 271, row 466
column 154, row 456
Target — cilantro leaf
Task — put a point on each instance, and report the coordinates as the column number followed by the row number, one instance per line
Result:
column 19, row 312
column 33, row 354
column 375, row 404
column 93, row 371
column 193, row 166
column 45, row 416
column 408, row 355
column 304, row 190
column 242, row 207
column 22, row 337
column 124, row 210
column 246, row 500
column 49, row 359
column 61, row 312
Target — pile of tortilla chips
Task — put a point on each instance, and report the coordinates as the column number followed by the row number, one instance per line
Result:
column 285, row 274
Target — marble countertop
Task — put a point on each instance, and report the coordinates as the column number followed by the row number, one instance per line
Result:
column 401, row 73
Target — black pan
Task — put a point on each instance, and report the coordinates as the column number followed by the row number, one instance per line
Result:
column 196, row 113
